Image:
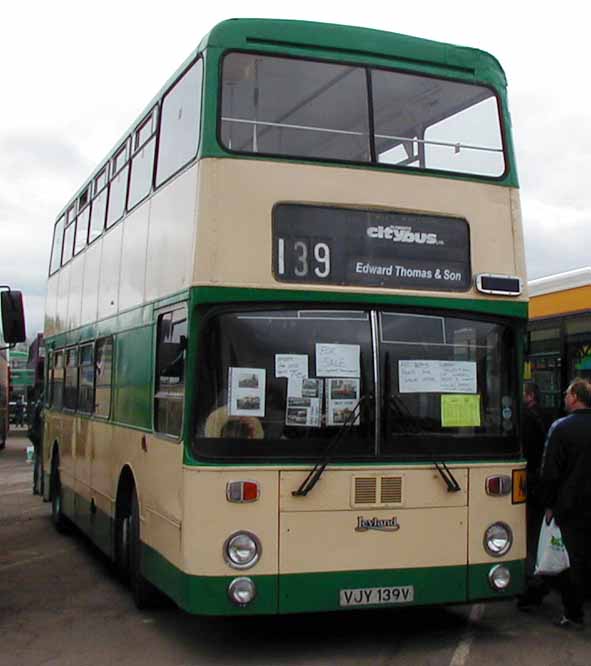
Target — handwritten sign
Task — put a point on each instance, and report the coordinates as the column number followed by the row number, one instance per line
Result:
column 291, row 365
column 337, row 360
column 437, row 376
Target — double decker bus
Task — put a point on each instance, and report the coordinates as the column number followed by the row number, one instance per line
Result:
column 284, row 330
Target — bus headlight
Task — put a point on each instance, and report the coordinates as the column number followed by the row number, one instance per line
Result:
column 241, row 591
column 499, row 577
column 498, row 539
column 242, row 550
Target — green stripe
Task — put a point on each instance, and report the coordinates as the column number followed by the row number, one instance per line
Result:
column 207, row 295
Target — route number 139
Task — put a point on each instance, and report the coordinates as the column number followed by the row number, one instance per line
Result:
column 301, row 259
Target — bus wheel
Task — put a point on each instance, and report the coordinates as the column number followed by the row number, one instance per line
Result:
column 59, row 520
column 122, row 548
column 144, row 593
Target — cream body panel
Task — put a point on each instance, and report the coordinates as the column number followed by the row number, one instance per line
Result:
column 50, row 322
column 234, row 244
column 209, row 519
column 328, row 541
column 109, row 273
column 75, row 297
column 519, row 240
column 133, row 259
column 90, row 290
column 63, row 292
column 103, row 471
column 59, row 429
column 82, row 455
column 172, row 236
column 162, row 496
column 485, row 510
column 421, row 488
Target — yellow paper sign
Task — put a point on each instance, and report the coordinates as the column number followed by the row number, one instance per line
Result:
column 460, row 411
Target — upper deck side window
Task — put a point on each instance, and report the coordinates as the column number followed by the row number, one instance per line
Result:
column 58, row 243
column 83, row 220
column 118, row 184
column 142, row 162
column 98, row 210
column 180, row 124
column 302, row 108
column 69, row 234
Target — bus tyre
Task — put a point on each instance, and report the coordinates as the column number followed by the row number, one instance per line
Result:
column 144, row 593
column 59, row 520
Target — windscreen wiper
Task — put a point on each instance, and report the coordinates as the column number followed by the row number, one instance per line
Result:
column 450, row 480
column 316, row 472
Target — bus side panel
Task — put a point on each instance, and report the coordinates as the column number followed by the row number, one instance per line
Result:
column 82, row 457
column 59, row 430
column 103, row 481
column 170, row 255
column 161, row 494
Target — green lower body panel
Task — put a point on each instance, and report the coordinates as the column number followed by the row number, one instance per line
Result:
column 314, row 592
column 299, row 593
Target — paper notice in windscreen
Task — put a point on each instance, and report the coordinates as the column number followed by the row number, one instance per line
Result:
column 437, row 376
column 291, row 365
column 337, row 360
column 460, row 411
column 342, row 397
column 246, row 391
column 304, row 405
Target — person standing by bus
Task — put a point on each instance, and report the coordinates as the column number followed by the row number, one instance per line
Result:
column 533, row 437
column 36, row 437
column 19, row 412
column 565, row 485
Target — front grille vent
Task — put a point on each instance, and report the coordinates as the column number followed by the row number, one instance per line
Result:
column 376, row 491
column 391, row 488
column 365, row 490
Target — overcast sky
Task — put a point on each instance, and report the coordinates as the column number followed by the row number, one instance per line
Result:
column 75, row 75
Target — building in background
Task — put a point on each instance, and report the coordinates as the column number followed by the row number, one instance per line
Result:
column 559, row 334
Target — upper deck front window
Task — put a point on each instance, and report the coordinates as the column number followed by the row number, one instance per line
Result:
column 308, row 109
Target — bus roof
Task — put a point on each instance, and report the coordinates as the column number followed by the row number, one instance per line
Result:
column 366, row 43
column 580, row 277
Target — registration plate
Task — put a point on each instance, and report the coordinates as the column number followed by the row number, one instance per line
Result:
column 370, row 596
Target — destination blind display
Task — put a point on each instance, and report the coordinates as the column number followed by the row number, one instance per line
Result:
column 344, row 246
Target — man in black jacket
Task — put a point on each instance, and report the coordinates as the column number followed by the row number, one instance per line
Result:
column 566, row 490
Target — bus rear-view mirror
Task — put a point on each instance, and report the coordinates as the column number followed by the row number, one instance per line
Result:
column 13, row 317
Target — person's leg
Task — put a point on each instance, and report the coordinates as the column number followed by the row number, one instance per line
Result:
column 36, row 466
column 572, row 581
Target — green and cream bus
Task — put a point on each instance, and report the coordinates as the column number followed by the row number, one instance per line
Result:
column 284, row 330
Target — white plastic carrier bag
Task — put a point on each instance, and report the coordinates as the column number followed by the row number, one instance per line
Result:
column 552, row 557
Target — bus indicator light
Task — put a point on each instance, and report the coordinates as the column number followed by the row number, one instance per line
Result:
column 242, row 491
column 519, row 486
column 499, row 485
